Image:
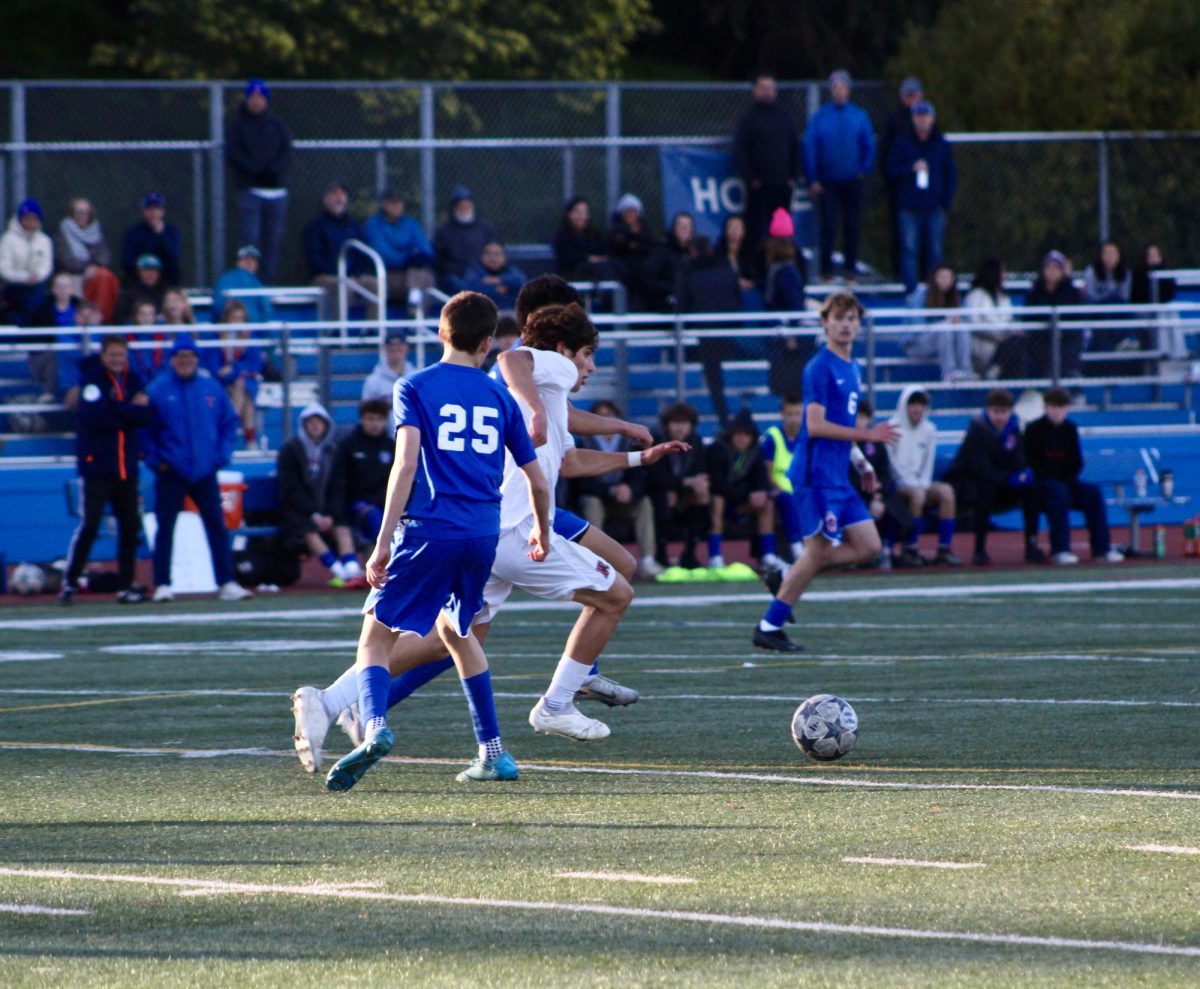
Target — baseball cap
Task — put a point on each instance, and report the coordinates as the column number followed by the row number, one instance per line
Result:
column 149, row 261
column 248, row 251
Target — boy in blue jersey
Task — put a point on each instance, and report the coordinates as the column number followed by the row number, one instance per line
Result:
column 440, row 528
column 836, row 525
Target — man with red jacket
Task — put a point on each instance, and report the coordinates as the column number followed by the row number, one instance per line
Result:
column 113, row 407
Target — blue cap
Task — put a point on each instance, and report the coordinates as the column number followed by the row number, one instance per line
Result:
column 154, row 199
column 148, row 261
column 841, row 75
column 910, row 85
column 923, row 107
column 258, row 86
column 27, row 206
column 185, row 341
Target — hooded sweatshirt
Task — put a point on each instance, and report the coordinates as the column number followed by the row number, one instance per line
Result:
column 25, row 253
column 913, row 454
column 303, row 469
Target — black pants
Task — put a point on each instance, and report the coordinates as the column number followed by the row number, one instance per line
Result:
column 97, row 493
column 986, row 499
column 844, row 198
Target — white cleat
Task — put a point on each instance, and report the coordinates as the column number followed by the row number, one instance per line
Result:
column 231, row 590
column 351, row 724
column 163, row 594
column 1114, row 556
column 312, row 725
column 606, row 691
column 1065, row 559
column 569, row 723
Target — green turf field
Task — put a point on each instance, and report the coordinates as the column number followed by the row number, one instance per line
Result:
column 1023, row 808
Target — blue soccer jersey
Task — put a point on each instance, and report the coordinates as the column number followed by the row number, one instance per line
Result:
column 466, row 421
column 834, row 384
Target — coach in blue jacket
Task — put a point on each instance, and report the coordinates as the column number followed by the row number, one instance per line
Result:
column 113, row 408
column 194, row 434
column 921, row 168
column 839, row 151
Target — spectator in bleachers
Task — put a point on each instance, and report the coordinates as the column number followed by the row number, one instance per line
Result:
column 871, row 475
column 899, row 123
column 1053, row 287
column 1052, row 445
column 401, row 242
column 1168, row 336
column 580, row 249
column 393, row 365
column 359, row 474
column 459, row 241
column 258, row 149
column 950, row 348
column 839, row 152
column 987, row 302
column 307, row 525
column 991, row 474
column 618, row 495
column 81, row 250
column 505, row 338
column 238, row 367
column 631, row 246
column 148, row 360
column 922, row 170
column 244, row 274
column 149, row 286
column 780, row 444
column 323, row 239
column 784, row 292
column 26, row 261
column 681, row 487
column 744, row 493
column 177, row 308
column 708, row 285
column 154, row 236
column 665, row 265
column 1107, row 281
column 494, row 276
column 734, row 247
column 912, row 460
column 766, row 154
column 57, row 309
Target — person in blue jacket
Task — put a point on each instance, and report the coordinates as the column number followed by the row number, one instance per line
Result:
column 401, row 242
column 494, row 276
column 242, row 275
column 113, row 409
column 839, row 150
column 194, row 433
column 924, row 179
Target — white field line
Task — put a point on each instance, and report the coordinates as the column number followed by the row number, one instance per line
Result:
column 691, row 774
column 1165, row 849
column 33, row 908
column 915, row 863
column 940, row 593
column 26, row 656
column 639, row 913
column 627, row 877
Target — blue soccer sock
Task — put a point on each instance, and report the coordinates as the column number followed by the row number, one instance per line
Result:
column 945, row 532
column 766, row 544
column 349, row 558
column 329, row 558
column 594, row 670
column 373, row 683
column 714, row 545
column 402, row 686
column 478, row 689
column 776, row 617
column 914, row 533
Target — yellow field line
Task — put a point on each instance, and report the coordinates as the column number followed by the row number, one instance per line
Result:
column 95, row 703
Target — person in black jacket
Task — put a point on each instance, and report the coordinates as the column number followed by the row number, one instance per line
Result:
column 359, row 475
column 113, row 406
column 736, row 461
column 153, row 235
column 1052, row 446
column 1053, row 287
column 258, row 149
column 682, row 486
column 708, row 284
column 898, row 124
column 580, row 249
column 766, row 154
column 990, row 474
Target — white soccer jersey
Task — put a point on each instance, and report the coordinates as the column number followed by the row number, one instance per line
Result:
column 555, row 377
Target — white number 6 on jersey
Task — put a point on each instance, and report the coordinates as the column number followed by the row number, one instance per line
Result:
column 852, row 405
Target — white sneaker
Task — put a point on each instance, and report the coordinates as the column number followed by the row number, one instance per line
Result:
column 351, row 724
column 312, row 725
column 569, row 723
column 649, row 567
column 1067, row 559
column 338, row 570
column 606, row 691
column 163, row 593
column 1114, row 556
column 716, row 562
column 352, row 570
column 231, row 590
column 773, row 562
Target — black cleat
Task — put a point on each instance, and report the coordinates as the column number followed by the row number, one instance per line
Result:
column 775, row 640
column 774, row 580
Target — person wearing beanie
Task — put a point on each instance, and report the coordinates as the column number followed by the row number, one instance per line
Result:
column 1053, row 287
column 766, row 155
column 459, row 242
column 192, row 436
column 26, row 260
column 153, row 235
column 839, row 152
column 258, row 151
column 631, row 246
column 899, row 123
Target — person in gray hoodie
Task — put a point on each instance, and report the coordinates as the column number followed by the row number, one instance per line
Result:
column 912, row 458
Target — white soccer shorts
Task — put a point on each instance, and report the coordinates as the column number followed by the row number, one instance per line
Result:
column 568, row 568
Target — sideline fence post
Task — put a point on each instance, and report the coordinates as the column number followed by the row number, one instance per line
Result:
column 1102, row 191
column 20, row 163
column 428, row 164
column 216, row 174
column 1055, row 349
column 870, row 342
column 612, row 152
column 680, row 371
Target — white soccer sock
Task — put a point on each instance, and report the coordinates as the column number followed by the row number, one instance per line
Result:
column 797, row 549
column 491, row 749
column 341, row 694
column 568, row 678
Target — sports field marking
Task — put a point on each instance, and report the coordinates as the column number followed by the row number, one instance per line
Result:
column 627, row 877
column 704, row 774
column 34, row 908
column 94, row 702
column 599, row 909
column 915, row 863
column 221, row 889
column 1165, row 849
column 757, row 596
column 23, row 656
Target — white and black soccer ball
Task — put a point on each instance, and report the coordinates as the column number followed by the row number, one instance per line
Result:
column 27, row 579
column 825, row 727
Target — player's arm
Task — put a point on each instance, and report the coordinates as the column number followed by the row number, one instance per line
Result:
column 866, row 473
column 591, row 463
column 820, row 428
column 582, row 423
column 399, row 489
column 539, row 497
column 517, row 368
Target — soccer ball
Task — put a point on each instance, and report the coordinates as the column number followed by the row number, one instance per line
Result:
column 825, row 727
column 27, row 578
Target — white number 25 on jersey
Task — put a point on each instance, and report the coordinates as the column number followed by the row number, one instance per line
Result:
column 451, row 433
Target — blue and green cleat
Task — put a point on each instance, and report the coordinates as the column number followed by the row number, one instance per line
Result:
column 502, row 768
column 349, row 769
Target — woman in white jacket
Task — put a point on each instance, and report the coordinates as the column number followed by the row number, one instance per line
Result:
column 26, row 260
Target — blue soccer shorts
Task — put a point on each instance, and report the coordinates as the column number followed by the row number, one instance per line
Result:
column 569, row 525
column 429, row 576
column 827, row 511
